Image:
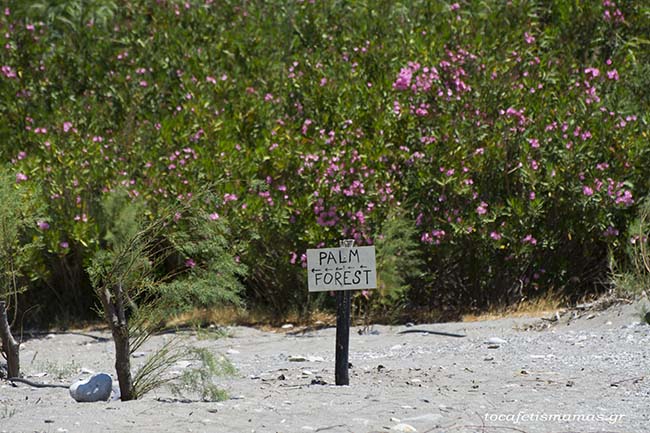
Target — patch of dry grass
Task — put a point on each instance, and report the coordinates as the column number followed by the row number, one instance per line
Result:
column 539, row 307
column 255, row 317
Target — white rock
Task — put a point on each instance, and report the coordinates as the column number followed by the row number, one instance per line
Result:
column 96, row 388
column 232, row 351
column 404, row 428
column 495, row 340
column 287, row 326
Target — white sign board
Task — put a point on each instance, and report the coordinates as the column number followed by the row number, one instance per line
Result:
column 341, row 269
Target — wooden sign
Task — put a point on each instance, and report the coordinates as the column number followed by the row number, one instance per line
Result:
column 345, row 268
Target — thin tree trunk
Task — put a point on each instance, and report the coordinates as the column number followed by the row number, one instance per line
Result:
column 10, row 346
column 114, row 310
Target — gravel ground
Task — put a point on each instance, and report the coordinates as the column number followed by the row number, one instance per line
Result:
column 586, row 372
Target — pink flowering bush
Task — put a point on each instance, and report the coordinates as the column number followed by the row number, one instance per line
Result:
column 512, row 136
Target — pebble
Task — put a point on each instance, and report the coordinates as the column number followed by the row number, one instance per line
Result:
column 495, row 340
column 232, row 351
column 297, row 358
column 287, row 326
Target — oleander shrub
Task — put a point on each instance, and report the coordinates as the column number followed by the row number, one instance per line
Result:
column 513, row 134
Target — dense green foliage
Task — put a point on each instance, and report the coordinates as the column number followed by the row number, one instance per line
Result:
column 513, row 135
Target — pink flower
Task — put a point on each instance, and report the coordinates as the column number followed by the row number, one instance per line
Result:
column 495, row 235
column 190, row 263
column 613, row 75
column 214, row 216
column 534, row 143
column 625, row 198
column 529, row 239
column 21, row 177
column 403, row 81
column 588, row 191
column 529, row 38
column 482, row 208
column 43, row 225
column 64, row 245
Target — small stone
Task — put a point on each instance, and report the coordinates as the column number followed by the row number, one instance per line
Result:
column 138, row 354
column 297, row 358
column 404, row 428
column 287, row 326
column 232, row 352
column 495, row 340
column 96, row 388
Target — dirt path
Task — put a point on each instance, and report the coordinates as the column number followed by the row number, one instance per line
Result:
column 584, row 375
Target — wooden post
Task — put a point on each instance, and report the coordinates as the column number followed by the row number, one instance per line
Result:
column 10, row 346
column 342, row 337
column 341, row 376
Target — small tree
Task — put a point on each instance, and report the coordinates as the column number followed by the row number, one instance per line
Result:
column 17, row 215
column 149, row 268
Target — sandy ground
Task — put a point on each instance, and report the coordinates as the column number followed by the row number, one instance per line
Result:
column 579, row 374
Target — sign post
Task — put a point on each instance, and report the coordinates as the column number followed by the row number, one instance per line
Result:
column 342, row 269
